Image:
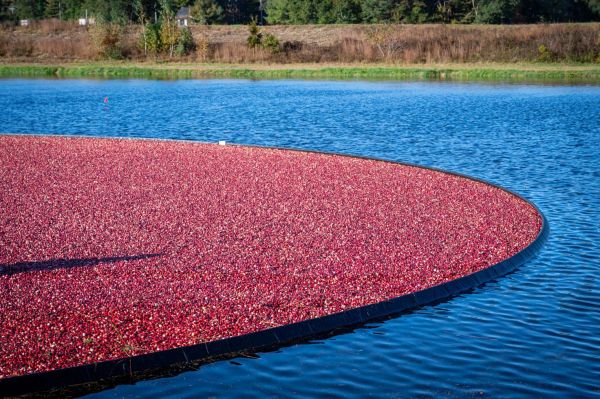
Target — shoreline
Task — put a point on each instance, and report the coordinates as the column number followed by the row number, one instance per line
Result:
column 518, row 72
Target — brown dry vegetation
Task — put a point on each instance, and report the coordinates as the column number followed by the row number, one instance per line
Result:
column 53, row 40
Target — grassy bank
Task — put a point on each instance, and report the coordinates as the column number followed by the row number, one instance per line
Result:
column 477, row 72
column 49, row 42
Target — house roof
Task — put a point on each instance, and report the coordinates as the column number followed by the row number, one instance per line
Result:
column 184, row 12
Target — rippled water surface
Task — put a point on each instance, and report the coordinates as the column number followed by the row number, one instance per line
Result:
column 533, row 333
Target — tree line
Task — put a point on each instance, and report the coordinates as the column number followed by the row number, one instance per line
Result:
column 123, row 11
column 313, row 11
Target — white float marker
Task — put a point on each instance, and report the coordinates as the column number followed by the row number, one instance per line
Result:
column 221, row 142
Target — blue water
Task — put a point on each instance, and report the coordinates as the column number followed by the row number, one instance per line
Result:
column 533, row 333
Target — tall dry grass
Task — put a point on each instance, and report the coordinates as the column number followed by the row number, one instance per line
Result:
column 54, row 39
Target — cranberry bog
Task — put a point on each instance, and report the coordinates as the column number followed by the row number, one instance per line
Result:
column 119, row 256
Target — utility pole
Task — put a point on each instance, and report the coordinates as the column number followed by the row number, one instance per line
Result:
column 261, row 8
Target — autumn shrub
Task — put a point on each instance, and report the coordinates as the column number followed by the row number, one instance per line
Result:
column 203, row 47
column 165, row 33
column 169, row 37
column 385, row 40
column 544, row 54
column 106, row 39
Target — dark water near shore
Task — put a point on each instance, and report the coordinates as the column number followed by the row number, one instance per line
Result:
column 533, row 333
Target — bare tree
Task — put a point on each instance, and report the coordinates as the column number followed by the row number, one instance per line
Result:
column 385, row 39
column 141, row 13
column 169, row 32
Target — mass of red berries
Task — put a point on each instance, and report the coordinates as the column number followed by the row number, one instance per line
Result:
column 111, row 248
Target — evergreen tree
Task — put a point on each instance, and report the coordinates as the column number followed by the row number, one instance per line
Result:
column 292, row 11
column 315, row 11
column 376, row 11
column 116, row 11
column 207, row 12
column 594, row 5
column 346, row 11
column 277, row 12
column 324, row 12
column 240, row 11
column 247, row 10
column 7, row 12
column 497, row 11
column 52, row 9
column 72, row 9
column 29, row 9
column 185, row 43
column 410, row 12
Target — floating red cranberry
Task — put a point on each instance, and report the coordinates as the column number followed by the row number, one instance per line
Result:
column 110, row 248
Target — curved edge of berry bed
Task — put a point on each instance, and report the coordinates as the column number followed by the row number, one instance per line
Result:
column 141, row 365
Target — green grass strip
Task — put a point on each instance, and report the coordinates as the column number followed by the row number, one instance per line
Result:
column 559, row 74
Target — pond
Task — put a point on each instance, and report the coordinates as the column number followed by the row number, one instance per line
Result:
column 535, row 332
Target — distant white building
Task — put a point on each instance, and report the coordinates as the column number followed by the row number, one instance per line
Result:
column 183, row 17
column 86, row 21
column 24, row 22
